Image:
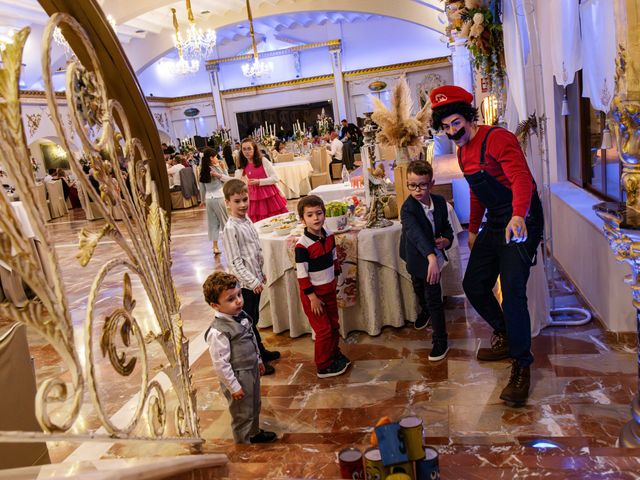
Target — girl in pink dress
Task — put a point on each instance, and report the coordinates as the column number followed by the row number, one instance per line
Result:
column 265, row 200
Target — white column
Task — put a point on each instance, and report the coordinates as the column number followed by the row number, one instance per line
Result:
column 462, row 67
column 336, row 63
column 214, row 70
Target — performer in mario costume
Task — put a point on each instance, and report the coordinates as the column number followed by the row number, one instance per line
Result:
column 503, row 188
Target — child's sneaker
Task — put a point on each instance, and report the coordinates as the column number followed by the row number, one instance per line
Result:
column 263, row 437
column 439, row 350
column 423, row 320
column 337, row 367
column 343, row 358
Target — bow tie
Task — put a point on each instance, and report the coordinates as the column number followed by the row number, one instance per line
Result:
column 240, row 317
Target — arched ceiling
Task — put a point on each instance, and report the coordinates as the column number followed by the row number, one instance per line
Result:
column 145, row 26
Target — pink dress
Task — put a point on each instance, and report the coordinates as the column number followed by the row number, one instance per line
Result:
column 264, row 200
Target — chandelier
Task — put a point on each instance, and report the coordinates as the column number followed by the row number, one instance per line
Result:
column 197, row 44
column 58, row 37
column 181, row 66
column 257, row 68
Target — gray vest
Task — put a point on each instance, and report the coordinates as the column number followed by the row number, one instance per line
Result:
column 244, row 351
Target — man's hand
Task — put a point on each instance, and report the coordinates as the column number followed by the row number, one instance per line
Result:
column 472, row 239
column 239, row 395
column 316, row 304
column 433, row 272
column 442, row 243
column 516, row 230
column 261, row 368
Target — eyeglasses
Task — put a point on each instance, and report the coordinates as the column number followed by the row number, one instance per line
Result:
column 416, row 186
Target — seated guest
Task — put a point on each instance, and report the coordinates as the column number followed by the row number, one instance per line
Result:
column 69, row 189
column 334, row 147
column 175, row 165
column 49, row 177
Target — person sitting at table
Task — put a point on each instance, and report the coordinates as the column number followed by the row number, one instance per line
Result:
column 260, row 176
column 426, row 234
column 49, row 177
column 173, row 169
column 278, row 148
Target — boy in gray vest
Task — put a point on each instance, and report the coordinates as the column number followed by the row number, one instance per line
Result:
column 236, row 358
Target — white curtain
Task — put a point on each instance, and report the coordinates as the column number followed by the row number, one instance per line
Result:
column 563, row 27
column 516, row 53
column 598, row 52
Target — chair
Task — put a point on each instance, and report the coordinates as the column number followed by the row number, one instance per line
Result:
column 283, row 157
column 90, row 210
column 320, row 164
column 57, row 204
column 189, row 195
column 335, row 167
column 41, row 200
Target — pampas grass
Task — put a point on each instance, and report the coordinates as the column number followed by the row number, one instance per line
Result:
column 396, row 126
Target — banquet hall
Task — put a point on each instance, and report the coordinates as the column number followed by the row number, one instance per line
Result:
column 110, row 111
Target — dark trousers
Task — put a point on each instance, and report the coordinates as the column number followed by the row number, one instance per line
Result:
column 430, row 301
column 490, row 257
column 252, row 307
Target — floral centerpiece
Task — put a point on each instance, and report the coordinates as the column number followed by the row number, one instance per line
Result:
column 478, row 23
column 324, row 123
column 220, row 136
column 268, row 140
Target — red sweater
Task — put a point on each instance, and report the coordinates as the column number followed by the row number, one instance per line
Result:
column 505, row 161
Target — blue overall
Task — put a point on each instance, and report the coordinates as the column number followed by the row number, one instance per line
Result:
column 491, row 257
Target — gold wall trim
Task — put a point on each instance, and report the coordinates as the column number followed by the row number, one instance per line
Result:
column 268, row 86
column 275, row 53
column 197, row 96
column 38, row 94
column 397, row 66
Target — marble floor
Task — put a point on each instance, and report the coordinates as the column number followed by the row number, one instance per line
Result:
column 582, row 384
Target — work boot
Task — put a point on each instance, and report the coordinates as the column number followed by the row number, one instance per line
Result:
column 516, row 392
column 499, row 349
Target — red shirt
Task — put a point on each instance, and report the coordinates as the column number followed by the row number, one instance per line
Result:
column 505, row 161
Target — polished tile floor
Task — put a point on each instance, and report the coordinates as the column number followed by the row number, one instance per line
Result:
column 583, row 381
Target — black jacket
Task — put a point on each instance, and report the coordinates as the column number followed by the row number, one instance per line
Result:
column 418, row 240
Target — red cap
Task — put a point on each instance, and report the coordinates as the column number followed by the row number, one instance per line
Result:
column 449, row 94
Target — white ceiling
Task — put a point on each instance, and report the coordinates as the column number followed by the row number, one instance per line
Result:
column 144, row 27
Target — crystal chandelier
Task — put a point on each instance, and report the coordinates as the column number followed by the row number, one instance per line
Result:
column 257, row 68
column 184, row 65
column 197, row 44
column 58, row 37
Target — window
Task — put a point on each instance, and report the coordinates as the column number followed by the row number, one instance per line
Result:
column 588, row 165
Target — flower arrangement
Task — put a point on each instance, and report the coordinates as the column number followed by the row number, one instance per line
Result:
column 324, row 123
column 478, row 22
column 396, row 126
column 220, row 136
column 268, row 140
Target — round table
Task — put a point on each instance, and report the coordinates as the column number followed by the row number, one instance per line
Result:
column 384, row 292
column 293, row 177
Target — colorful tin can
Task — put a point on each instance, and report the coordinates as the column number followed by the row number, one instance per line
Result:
column 428, row 468
column 351, row 466
column 373, row 467
column 398, row 476
column 412, row 432
column 405, row 468
column 391, row 444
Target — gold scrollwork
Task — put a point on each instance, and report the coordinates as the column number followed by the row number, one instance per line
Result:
column 127, row 194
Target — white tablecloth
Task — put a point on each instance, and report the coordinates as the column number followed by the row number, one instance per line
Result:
column 294, row 177
column 385, row 294
column 336, row 191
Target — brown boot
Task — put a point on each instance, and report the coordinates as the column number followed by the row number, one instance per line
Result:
column 499, row 349
column 516, row 392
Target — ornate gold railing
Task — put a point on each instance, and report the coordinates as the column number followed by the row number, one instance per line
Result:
column 127, row 192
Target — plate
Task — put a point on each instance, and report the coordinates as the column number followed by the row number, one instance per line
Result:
column 344, row 230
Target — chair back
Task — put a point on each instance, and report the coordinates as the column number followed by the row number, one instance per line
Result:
column 283, row 157
column 188, row 183
column 57, row 205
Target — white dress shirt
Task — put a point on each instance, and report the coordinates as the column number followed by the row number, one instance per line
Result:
column 428, row 211
column 174, row 171
column 220, row 351
column 244, row 252
column 335, row 149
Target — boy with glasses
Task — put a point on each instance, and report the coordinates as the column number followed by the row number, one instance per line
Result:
column 426, row 234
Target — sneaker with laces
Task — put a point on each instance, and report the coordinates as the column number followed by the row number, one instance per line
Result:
column 423, row 321
column 516, row 393
column 439, row 350
column 499, row 349
column 337, row 367
column 343, row 358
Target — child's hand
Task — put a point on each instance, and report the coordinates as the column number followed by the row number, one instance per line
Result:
column 433, row 271
column 254, row 182
column 316, row 304
column 261, row 369
column 239, row 395
column 258, row 290
column 442, row 243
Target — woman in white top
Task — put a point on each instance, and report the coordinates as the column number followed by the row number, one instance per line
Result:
column 213, row 173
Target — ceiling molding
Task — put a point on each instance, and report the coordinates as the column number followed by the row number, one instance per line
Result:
column 397, row 66
column 287, row 83
column 275, row 53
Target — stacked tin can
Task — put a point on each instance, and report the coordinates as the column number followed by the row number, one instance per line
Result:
column 400, row 455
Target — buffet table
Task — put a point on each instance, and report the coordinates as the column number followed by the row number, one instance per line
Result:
column 383, row 296
column 294, row 177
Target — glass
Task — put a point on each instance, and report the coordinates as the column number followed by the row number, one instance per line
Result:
column 613, row 164
column 416, row 186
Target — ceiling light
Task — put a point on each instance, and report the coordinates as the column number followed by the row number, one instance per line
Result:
column 179, row 67
column 257, row 68
column 198, row 44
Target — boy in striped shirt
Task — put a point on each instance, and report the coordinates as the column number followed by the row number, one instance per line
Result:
column 317, row 267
